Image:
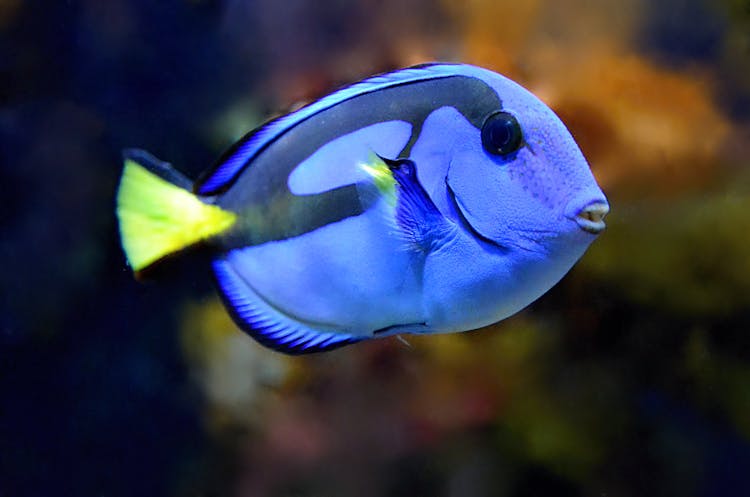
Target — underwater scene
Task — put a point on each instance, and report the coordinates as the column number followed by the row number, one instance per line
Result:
column 401, row 283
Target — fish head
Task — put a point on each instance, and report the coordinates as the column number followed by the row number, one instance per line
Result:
column 520, row 180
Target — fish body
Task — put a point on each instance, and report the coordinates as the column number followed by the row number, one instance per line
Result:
column 433, row 199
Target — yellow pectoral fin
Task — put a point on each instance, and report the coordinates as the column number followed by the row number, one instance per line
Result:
column 158, row 218
column 381, row 176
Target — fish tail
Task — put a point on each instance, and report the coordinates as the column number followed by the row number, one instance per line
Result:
column 158, row 214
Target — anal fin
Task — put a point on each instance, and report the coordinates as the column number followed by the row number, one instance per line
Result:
column 268, row 325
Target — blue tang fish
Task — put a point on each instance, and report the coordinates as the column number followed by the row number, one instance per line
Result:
column 434, row 199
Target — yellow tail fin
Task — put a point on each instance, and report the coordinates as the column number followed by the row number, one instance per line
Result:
column 158, row 218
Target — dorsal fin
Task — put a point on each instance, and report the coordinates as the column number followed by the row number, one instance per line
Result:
column 241, row 153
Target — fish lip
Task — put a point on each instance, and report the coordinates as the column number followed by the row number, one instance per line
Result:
column 591, row 218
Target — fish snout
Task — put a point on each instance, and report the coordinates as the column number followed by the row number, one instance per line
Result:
column 591, row 218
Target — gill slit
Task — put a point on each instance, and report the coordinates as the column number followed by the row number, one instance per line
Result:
column 467, row 225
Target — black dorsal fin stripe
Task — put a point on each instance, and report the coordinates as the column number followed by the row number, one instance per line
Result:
column 236, row 159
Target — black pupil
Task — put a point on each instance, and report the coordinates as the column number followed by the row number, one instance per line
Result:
column 501, row 133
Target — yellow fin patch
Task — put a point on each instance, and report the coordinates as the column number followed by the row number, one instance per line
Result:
column 382, row 177
column 158, row 218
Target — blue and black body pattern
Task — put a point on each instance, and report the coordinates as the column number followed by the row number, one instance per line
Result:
column 276, row 149
column 433, row 199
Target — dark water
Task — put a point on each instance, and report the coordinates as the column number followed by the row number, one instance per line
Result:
column 631, row 377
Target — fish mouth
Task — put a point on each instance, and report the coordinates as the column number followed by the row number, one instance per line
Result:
column 591, row 218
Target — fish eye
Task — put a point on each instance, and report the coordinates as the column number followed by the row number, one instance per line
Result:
column 501, row 133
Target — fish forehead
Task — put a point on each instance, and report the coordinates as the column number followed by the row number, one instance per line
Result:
column 264, row 185
column 551, row 166
column 545, row 135
column 544, row 132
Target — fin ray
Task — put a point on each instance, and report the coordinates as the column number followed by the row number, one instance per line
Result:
column 268, row 325
column 415, row 218
column 158, row 217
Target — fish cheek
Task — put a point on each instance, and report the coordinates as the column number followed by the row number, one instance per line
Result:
column 483, row 191
column 502, row 199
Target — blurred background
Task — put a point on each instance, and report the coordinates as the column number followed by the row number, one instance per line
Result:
column 631, row 377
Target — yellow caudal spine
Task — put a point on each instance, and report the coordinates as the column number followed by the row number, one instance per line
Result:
column 158, row 218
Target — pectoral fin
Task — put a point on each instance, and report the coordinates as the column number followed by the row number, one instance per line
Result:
column 418, row 221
